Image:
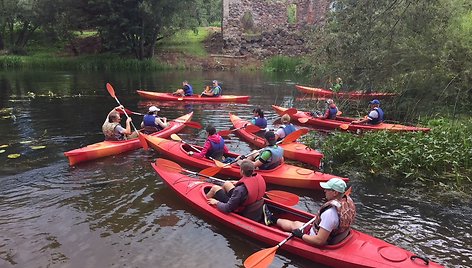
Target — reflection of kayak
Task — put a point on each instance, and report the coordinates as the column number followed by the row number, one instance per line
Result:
column 107, row 148
column 356, row 250
column 319, row 92
column 295, row 150
column 285, row 174
column 344, row 121
column 171, row 97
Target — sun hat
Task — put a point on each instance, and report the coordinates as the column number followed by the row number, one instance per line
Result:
column 376, row 101
column 335, row 184
column 153, row 109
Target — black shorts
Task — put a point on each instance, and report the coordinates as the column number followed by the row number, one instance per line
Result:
column 223, row 196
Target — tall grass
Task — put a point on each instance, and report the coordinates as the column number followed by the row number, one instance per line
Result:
column 282, row 64
column 187, row 41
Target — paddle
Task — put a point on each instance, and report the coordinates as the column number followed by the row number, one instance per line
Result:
column 263, row 258
column 111, row 91
column 176, row 137
column 282, row 197
column 303, row 120
column 123, row 110
column 249, row 128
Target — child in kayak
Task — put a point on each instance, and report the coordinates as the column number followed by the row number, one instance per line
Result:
column 259, row 119
column 269, row 157
column 214, row 146
column 186, row 90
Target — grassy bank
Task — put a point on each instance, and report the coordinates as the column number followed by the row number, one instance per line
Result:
column 442, row 157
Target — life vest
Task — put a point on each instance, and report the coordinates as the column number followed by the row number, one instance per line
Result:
column 150, row 122
column 260, row 122
column 252, row 206
column 379, row 119
column 275, row 159
column 217, row 91
column 188, row 90
column 346, row 212
column 216, row 150
column 288, row 129
column 108, row 130
column 332, row 112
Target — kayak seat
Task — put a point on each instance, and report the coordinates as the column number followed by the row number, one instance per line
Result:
column 339, row 238
column 149, row 130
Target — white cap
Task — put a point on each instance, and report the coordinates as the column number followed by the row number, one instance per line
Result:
column 153, row 109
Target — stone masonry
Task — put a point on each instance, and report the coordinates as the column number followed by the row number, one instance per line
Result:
column 261, row 28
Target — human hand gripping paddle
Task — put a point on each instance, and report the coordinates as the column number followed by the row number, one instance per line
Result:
column 191, row 124
column 263, row 258
column 288, row 139
column 176, row 137
column 249, row 128
column 282, row 197
column 143, row 141
column 303, row 120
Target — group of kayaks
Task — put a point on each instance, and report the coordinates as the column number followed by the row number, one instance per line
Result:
column 356, row 250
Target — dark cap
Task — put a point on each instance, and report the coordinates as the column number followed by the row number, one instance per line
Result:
column 270, row 137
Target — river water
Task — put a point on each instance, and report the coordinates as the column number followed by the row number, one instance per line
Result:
column 116, row 212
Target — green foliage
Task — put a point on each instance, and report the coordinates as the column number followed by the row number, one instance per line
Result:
column 187, row 41
column 282, row 64
column 443, row 156
column 292, row 14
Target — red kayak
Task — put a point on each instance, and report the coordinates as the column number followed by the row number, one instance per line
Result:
column 344, row 123
column 107, row 148
column 356, row 250
column 324, row 93
column 285, row 174
column 295, row 150
column 171, row 97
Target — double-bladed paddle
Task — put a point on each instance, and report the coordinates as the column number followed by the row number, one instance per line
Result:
column 111, row 91
column 303, row 120
column 176, row 137
column 282, row 197
column 249, row 128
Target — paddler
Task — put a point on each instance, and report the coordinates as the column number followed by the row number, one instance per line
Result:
column 334, row 218
column 152, row 123
column 284, row 129
column 244, row 197
column 269, row 157
column 112, row 129
column 375, row 116
column 214, row 146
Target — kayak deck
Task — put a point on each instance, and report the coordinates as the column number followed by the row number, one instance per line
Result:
column 324, row 93
column 196, row 98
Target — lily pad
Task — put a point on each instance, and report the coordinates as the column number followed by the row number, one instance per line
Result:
column 37, row 147
column 2, row 151
column 13, row 156
column 25, row 142
column 4, row 146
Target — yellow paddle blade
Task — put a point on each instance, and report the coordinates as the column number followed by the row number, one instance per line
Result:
column 143, row 141
column 261, row 259
column 344, row 126
column 303, row 120
column 175, row 137
column 210, row 171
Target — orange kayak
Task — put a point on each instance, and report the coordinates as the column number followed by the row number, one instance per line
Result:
column 285, row 174
column 295, row 150
column 171, row 97
column 107, row 148
column 344, row 121
column 324, row 93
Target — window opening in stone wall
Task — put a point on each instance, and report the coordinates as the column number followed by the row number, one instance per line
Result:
column 292, row 14
column 247, row 23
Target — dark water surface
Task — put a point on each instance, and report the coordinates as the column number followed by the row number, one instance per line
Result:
column 116, row 212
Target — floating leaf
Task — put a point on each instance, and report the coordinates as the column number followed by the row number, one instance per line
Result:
column 4, row 146
column 25, row 142
column 13, row 156
column 6, row 116
column 2, row 151
column 37, row 147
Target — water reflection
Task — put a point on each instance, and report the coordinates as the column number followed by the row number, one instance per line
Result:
column 116, row 212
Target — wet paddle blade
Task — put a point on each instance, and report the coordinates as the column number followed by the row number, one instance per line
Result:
column 225, row 132
column 210, row 171
column 168, row 165
column 111, row 90
column 193, row 124
column 283, row 197
column 294, row 136
column 143, row 141
column 252, row 128
column 175, row 137
column 219, row 163
column 290, row 111
column 261, row 259
column 303, row 120
column 344, row 126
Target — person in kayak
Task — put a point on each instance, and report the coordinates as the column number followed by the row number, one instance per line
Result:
column 112, row 129
column 338, row 84
column 214, row 146
column 259, row 119
column 244, row 197
column 186, row 90
column 334, row 218
column 331, row 112
column 284, row 129
column 152, row 123
column 215, row 90
column 269, row 157
column 375, row 116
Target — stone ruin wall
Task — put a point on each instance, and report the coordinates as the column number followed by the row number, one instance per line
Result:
column 268, row 31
